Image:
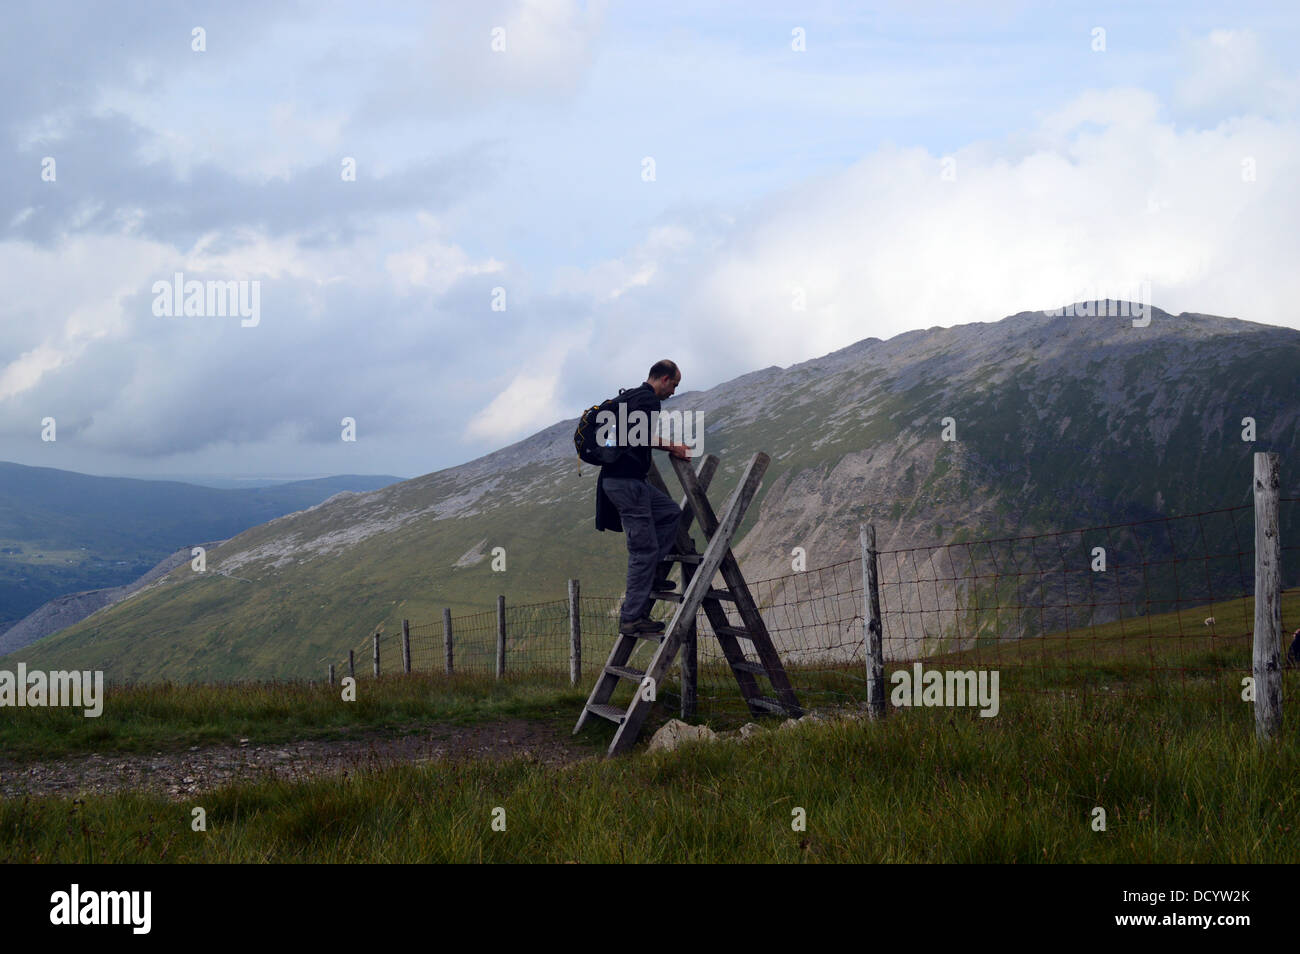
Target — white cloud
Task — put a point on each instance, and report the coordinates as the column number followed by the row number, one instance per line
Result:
column 434, row 264
column 1231, row 73
column 1103, row 193
column 527, row 404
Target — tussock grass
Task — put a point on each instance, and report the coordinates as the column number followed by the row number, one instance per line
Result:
column 1177, row 771
column 1167, row 751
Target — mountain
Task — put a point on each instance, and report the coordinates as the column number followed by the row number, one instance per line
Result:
column 1060, row 422
column 62, row 532
column 62, row 611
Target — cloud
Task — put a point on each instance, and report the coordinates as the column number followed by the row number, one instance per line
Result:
column 1103, row 193
column 527, row 404
column 1231, row 73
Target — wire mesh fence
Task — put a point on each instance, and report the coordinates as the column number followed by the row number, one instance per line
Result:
column 1157, row 598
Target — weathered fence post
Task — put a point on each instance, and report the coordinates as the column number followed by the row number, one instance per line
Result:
column 871, row 623
column 352, row 664
column 331, row 674
column 376, row 654
column 1268, row 599
column 575, row 636
column 501, row 637
column 446, row 636
column 406, row 646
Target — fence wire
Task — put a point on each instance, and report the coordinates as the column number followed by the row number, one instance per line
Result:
column 1158, row 597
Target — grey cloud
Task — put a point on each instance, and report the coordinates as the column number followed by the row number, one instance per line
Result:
column 101, row 183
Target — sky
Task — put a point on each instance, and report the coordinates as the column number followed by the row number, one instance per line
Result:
column 454, row 224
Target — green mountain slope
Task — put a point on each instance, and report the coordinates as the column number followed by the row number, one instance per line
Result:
column 1060, row 423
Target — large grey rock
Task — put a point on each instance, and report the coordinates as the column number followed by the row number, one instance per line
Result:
column 674, row 732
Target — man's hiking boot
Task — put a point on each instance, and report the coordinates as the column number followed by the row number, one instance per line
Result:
column 644, row 625
column 663, row 585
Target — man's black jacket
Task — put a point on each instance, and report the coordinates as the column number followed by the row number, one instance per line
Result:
column 634, row 462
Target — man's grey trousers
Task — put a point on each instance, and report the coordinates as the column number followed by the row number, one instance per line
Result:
column 650, row 519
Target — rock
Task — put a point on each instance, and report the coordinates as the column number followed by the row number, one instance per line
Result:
column 674, row 732
column 790, row 723
column 750, row 729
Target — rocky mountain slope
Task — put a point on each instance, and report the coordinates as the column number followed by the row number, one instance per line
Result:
column 1060, row 422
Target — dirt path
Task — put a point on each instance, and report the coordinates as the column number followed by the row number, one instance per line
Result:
column 179, row 774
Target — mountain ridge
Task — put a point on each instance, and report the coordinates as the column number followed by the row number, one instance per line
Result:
column 1053, row 418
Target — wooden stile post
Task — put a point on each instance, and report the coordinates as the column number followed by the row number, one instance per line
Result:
column 575, row 636
column 406, row 646
column 690, row 670
column 331, row 674
column 873, row 630
column 501, row 637
column 446, row 636
column 376, row 638
column 1268, row 599
column 352, row 663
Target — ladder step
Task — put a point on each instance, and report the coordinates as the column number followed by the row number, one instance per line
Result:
column 678, row 597
column 734, row 631
column 626, row 672
column 763, row 702
column 684, row 557
column 757, row 669
column 612, row 713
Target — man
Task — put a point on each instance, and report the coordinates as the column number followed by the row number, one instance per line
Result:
column 625, row 502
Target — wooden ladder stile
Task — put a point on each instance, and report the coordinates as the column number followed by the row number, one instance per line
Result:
column 698, row 570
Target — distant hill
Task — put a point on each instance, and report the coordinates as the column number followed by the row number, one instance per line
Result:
column 1062, row 422
column 62, row 532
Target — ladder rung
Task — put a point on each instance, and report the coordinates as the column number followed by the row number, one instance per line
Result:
column 678, row 597
column 757, row 669
column 612, row 713
column 626, row 672
column 684, row 557
column 763, row 702
column 657, row 637
column 734, row 631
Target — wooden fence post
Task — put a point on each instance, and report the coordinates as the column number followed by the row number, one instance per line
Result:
column 446, row 636
column 501, row 637
column 352, row 664
column 871, row 624
column 376, row 654
column 406, row 646
column 575, row 636
column 331, row 674
column 1268, row 599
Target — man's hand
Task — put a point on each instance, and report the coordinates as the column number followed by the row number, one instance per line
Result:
column 680, row 451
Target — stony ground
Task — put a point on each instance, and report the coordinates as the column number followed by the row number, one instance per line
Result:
column 179, row 774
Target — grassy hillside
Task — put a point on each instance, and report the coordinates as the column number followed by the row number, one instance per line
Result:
column 1060, row 423
column 1178, row 774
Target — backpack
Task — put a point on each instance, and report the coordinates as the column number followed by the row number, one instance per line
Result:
column 584, row 435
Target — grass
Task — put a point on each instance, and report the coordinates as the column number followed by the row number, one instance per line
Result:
column 158, row 716
column 1168, row 753
column 1178, row 774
